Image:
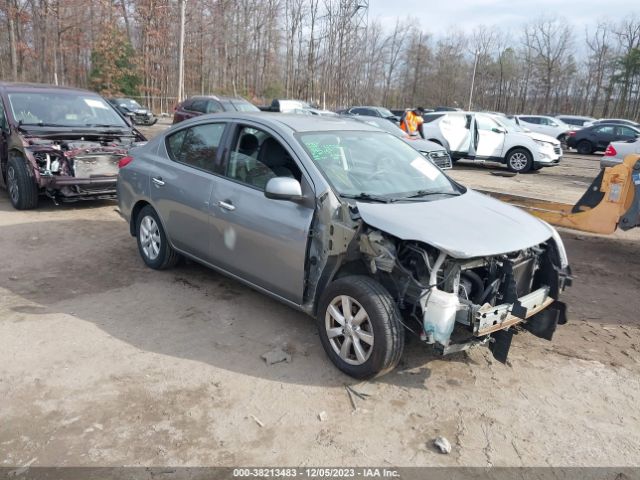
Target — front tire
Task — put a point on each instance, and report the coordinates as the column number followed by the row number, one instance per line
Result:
column 360, row 328
column 519, row 160
column 21, row 185
column 152, row 240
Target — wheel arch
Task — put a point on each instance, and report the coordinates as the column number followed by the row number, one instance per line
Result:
column 518, row 147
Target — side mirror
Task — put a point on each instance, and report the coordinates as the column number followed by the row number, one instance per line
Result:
column 498, row 130
column 283, row 188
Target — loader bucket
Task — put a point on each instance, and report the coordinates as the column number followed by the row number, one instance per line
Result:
column 612, row 200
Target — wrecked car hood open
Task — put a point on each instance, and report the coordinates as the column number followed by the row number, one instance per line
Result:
column 467, row 226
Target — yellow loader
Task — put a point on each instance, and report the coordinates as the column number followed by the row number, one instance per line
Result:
column 612, row 201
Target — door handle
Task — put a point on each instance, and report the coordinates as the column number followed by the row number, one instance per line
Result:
column 226, row 205
column 158, row 181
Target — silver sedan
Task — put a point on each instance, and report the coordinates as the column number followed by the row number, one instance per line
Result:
column 350, row 225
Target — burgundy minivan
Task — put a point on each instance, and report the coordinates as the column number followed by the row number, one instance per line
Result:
column 194, row 106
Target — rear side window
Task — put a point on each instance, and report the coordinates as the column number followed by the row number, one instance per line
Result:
column 430, row 118
column 534, row 120
column 187, row 104
column 625, row 132
column 196, row 146
column 199, row 105
column 214, row 107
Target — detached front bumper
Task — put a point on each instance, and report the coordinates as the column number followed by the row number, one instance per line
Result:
column 70, row 189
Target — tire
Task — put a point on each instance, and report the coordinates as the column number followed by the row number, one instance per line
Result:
column 152, row 241
column 519, row 160
column 563, row 141
column 21, row 185
column 380, row 324
column 584, row 147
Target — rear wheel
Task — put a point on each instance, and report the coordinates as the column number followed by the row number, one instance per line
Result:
column 359, row 326
column 21, row 186
column 584, row 147
column 519, row 160
column 152, row 241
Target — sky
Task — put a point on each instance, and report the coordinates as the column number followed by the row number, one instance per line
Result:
column 439, row 16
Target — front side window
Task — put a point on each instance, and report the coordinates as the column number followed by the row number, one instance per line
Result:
column 257, row 157
column 64, row 109
column 196, row 146
column 486, row 123
column 374, row 164
column 606, row 130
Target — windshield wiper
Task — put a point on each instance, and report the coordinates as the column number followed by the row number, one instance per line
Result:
column 103, row 125
column 367, row 196
column 41, row 124
column 426, row 193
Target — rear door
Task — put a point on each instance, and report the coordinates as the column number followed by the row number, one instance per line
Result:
column 261, row 240
column 457, row 130
column 181, row 185
column 603, row 136
column 625, row 134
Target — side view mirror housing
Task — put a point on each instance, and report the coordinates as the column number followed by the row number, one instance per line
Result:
column 498, row 130
column 283, row 188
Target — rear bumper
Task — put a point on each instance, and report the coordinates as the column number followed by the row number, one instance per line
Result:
column 606, row 162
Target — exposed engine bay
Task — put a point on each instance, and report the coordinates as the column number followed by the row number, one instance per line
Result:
column 77, row 169
column 458, row 303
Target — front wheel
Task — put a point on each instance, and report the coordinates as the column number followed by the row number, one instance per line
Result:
column 21, row 185
column 360, row 327
column 519, row 160
column 152, row 241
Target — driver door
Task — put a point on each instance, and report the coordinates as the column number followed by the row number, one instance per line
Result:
column 457, row 131
column 261, row 240
column 490, row 138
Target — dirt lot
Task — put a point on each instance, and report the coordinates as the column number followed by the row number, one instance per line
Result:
column 106, row 362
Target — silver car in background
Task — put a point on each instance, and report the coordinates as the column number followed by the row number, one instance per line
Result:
column 617, row 151
column 350, row 225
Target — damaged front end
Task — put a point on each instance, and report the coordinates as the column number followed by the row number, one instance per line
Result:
column 71, row 170
column 458, row 303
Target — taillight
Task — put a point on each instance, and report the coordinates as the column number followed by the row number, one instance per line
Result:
column 572, row 133
column 610, row 151
column 124, row 161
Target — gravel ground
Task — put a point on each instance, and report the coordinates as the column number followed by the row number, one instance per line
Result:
column 106, row 362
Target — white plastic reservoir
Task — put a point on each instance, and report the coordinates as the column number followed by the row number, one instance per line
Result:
column 439, row 314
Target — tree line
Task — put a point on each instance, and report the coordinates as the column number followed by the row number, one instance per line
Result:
column 321, row 51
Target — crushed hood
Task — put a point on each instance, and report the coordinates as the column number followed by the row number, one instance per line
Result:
column 467, row 226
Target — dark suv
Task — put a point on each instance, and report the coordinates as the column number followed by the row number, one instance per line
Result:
column 194, row 106
column 133, row 110
column 62, row 142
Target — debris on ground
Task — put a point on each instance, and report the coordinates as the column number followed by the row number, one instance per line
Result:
column 503, row 173
column 351, row 398
column 442, row 444
column 322, row 416
column 257, row 420
column 277, row 355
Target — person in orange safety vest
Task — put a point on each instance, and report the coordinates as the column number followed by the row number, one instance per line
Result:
column 412, row 121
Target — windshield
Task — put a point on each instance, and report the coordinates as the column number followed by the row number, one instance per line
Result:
column 374, row 164
column 63, row 110
column 129, row 103
column 382, row 124
column 244, row 106
column 509, row 124
column 384, row 112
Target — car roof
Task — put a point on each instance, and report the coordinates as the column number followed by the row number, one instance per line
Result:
column 41, row 87
column 216, row 97
column 293, row 121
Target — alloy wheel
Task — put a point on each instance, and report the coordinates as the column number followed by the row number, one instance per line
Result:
column 518, row 161
column 349, row 330
column 12, row 184
column 150, row 237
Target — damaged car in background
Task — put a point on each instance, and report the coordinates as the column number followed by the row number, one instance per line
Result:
column 350, row 225
column 60, row 142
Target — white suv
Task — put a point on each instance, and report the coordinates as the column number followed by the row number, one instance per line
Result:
column 553, row 127
column 480, row 137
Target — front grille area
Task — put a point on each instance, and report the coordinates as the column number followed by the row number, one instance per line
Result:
column 557, row 150
column 441, row 158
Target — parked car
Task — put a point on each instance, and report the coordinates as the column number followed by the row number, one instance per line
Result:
column 61, row 142
column 372, row 112
column 433, row 151
column 613, row 121
column 195, row 106
column 513, row 127
column 550, row 126
column 616, row 152
column 575, row 121
column 134, row 111
column 479, row 137
column 286, row 106
column 597, row 137
column 350, row 225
